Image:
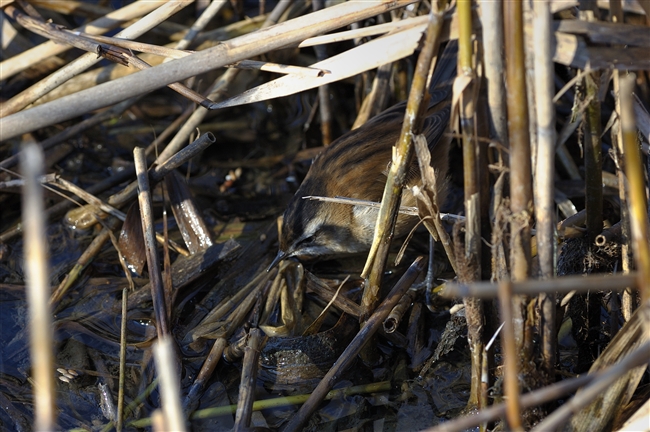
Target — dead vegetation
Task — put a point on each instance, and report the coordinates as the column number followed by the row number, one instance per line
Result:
column 214, row 110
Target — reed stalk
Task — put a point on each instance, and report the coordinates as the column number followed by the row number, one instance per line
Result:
column 247, row 387
column 564, row 284
column 593, row 158
column 37, row 54
column 471, row 270
column 627, row 297
column 545, row 176
column 146, row 211
column 510, row 358
column 41, row 336
column 521, row 200
column 638, row 209
column 169, row 384
column 402, row 157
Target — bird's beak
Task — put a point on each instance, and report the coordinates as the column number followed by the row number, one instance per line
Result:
column 279, row 257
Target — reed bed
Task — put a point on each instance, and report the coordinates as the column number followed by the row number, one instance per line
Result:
column 178, row 130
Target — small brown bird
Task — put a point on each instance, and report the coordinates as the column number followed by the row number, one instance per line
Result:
column 355, row 166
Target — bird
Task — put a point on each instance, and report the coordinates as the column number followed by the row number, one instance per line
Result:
column 355, row 166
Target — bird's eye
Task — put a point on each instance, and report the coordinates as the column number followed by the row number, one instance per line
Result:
column 306, row 241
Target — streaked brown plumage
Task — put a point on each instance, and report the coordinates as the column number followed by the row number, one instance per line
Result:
column 355, row 166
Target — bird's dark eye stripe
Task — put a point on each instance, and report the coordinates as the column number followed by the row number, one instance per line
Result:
column 305, row 241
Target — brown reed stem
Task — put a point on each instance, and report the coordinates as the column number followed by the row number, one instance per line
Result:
column 520, row 163
column 248, row 380
column 593, row 158
column 153, row 265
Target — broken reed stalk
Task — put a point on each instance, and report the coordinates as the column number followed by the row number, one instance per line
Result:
column 395, row 317
column 348, row 356
column 610, row 234
column 471, row 268
column 90, row 199
column 236, row 49
column 146, row 211
column 521, row 200
column 402, row 157
column 196, row 390
column 545, row 176
column 248, row 380
column 169, row 385
column 36, row 55
column 38, row 290
column 87, row 60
